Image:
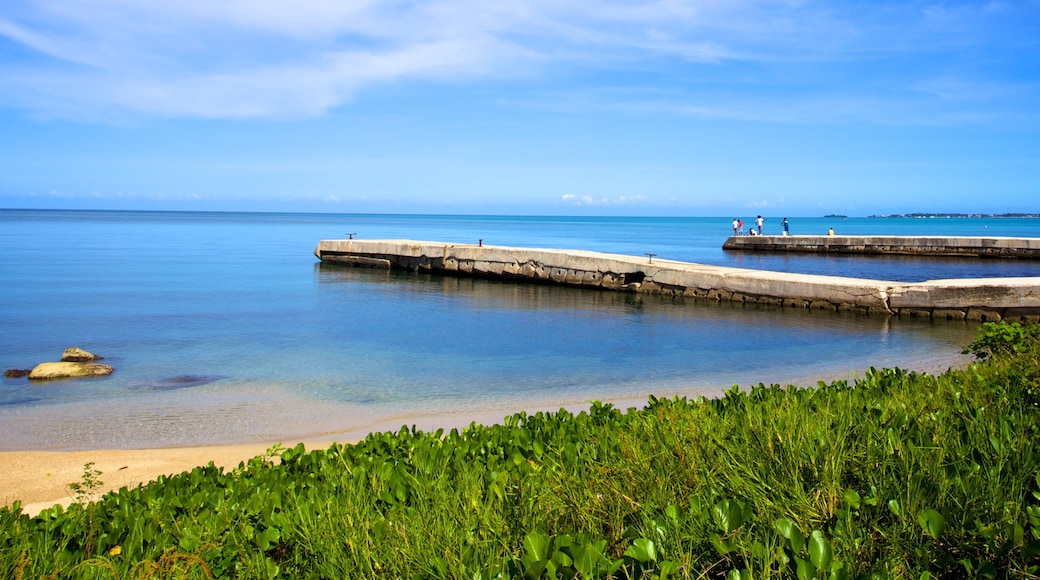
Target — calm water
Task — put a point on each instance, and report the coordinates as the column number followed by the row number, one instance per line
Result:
column 223, row 327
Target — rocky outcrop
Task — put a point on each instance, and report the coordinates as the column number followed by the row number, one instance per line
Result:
column 67, row 370
column 75, row 363
column 76, row 354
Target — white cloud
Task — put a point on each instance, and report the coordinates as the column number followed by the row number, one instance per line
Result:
column 271, row 58
column 572, row 199
column 39, row 42
column 230, row 59
column 577, row 200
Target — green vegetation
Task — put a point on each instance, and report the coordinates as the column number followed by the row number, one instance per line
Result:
column 897, row 475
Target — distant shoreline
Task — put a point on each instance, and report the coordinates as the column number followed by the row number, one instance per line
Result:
column 956, row 215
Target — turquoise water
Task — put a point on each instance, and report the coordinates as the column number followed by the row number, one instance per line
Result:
column 224, row 327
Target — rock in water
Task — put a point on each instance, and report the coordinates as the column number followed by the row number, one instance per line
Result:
column 76, row 354
column 66, row 370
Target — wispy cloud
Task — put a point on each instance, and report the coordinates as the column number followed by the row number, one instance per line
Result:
column 269, row 58
column 763, row 204
column 589, row 200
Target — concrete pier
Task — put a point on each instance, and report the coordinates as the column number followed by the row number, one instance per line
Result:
column 972, row 247
column 972, row 299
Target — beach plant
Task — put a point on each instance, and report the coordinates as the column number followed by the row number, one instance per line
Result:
column 894, row 474
column 1002, row 338
column 86, row 489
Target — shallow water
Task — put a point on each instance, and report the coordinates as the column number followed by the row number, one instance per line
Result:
column 225, row 328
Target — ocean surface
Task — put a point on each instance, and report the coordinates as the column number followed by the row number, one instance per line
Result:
column 224, row 327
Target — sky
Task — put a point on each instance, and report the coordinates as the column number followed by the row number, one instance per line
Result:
column 538, row 107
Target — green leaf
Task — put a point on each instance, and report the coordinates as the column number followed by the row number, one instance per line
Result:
column 562, row 559
column 987, row 570
column 789, row 530
column 805, row 569
column 932, row 522
column 852, row 499
column 1033, row 516
column 536, row 546
column 872, row 499
column 379, row 528
column 729, row 515
column 536, row 554
column 674, row 513
column 189, row 543
column 642, row 550
column 895, row 508
column 667, row 567
column 760, row 552
column 267, row 538
column 586, row 557
column 820, row 551
column 1017, row 534
column 722, row 546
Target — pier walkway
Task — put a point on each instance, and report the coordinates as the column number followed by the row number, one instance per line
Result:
column 976, row 247
column 987, row 299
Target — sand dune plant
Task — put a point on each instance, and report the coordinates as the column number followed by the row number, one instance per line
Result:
column 897, row 474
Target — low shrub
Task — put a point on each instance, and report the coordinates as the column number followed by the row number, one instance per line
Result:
column 896, row 474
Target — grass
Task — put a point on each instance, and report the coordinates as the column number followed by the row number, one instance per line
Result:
column 899, row 474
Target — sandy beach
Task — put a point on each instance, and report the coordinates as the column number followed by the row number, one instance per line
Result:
column 40, row 479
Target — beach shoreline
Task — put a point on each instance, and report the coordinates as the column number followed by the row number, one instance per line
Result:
column 40, row 479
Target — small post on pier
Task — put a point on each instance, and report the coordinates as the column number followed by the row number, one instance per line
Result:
column 351, row 236
column 651, row 257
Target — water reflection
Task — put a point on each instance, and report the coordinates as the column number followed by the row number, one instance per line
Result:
column 468, row 333
column 481, row 293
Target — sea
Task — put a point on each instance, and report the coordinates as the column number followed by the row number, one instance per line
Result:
column 224, row 328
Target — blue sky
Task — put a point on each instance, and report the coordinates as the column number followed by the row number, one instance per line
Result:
column 561, row 107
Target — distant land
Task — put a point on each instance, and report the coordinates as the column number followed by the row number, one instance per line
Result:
column 955, row 215
column 835, row 215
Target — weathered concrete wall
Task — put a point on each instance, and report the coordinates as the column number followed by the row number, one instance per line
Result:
column 1003, row 248
column 990, row 299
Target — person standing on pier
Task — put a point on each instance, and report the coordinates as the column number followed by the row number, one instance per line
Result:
column 736, row 227
column 758, row 222
column 784, row 224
